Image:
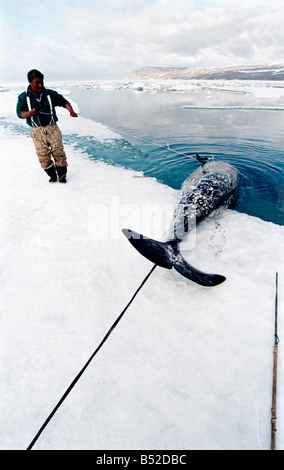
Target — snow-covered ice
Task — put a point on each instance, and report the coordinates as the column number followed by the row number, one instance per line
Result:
column 188, row 367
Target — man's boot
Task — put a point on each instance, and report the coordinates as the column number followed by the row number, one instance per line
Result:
column 62, row 171
column 51, row 173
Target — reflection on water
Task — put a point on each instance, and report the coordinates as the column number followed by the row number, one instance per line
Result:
column 161, row 138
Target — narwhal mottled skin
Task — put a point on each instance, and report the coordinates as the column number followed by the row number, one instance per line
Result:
column 213, row 185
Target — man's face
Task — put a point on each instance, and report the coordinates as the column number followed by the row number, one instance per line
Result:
column 37, row 85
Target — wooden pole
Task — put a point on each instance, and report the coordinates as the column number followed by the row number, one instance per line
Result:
column 274, row 385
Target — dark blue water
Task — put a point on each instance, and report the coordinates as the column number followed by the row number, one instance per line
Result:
column 161, row 138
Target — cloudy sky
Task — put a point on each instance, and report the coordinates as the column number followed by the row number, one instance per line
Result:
column 107, row 39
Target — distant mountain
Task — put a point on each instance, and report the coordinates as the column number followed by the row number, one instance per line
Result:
column 253, row 72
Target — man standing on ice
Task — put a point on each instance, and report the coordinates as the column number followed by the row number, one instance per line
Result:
column 37, row 106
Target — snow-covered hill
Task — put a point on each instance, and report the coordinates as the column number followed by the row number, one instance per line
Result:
column 253, row 72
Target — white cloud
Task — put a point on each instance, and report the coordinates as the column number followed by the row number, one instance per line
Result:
column 94, row 39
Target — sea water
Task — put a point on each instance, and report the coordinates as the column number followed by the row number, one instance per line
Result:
column 164, row 129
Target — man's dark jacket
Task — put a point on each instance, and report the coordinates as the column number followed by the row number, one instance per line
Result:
column 42, row 105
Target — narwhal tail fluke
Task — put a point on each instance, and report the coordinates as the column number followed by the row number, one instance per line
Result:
column 159, row 253
column 204, row 279
column 167, row 255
